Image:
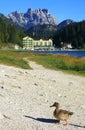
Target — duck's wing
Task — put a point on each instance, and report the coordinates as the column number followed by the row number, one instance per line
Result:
column 66, row 112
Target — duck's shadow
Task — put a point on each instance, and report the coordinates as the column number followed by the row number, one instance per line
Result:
column 46, row 120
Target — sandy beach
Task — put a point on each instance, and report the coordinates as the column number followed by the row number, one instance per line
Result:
column 26, row 96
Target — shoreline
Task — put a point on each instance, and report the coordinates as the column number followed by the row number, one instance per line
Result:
column 68, row 52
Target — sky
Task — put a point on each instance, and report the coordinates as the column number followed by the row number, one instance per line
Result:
column 60, row 9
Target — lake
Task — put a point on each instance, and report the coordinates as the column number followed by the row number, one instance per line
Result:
column 72, row 53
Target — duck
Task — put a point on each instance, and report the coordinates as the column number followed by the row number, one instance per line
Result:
column 61, row 114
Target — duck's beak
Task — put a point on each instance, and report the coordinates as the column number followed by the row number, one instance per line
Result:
column 52, row 106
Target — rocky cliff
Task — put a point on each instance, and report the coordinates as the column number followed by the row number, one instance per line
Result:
column 32, row 18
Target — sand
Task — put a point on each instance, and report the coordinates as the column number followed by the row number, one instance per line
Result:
column 26, row 96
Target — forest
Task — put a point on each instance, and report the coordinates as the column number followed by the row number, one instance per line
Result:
column 9, row 33
column 73, row 33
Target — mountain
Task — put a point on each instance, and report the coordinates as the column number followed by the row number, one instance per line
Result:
column 32, row 18
column 64, row 23
column 44, row 31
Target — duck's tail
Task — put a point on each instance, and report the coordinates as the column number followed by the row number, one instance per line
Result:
column 70, row 113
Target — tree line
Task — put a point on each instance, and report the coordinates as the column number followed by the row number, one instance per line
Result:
column 73, row 33
column 9, row 33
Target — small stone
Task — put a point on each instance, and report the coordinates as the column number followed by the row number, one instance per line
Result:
column 2, row 87
column 36, row 84
column 7, row 75
column 19, row 87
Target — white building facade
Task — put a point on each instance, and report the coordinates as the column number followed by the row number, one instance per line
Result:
column 31, row 44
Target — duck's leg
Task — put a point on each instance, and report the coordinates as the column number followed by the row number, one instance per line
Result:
column 66, row 123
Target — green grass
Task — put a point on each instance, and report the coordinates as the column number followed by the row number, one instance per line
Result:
column 65, row 63
column 11, row 58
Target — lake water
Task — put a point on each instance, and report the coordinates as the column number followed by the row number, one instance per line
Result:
column 72, row 53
